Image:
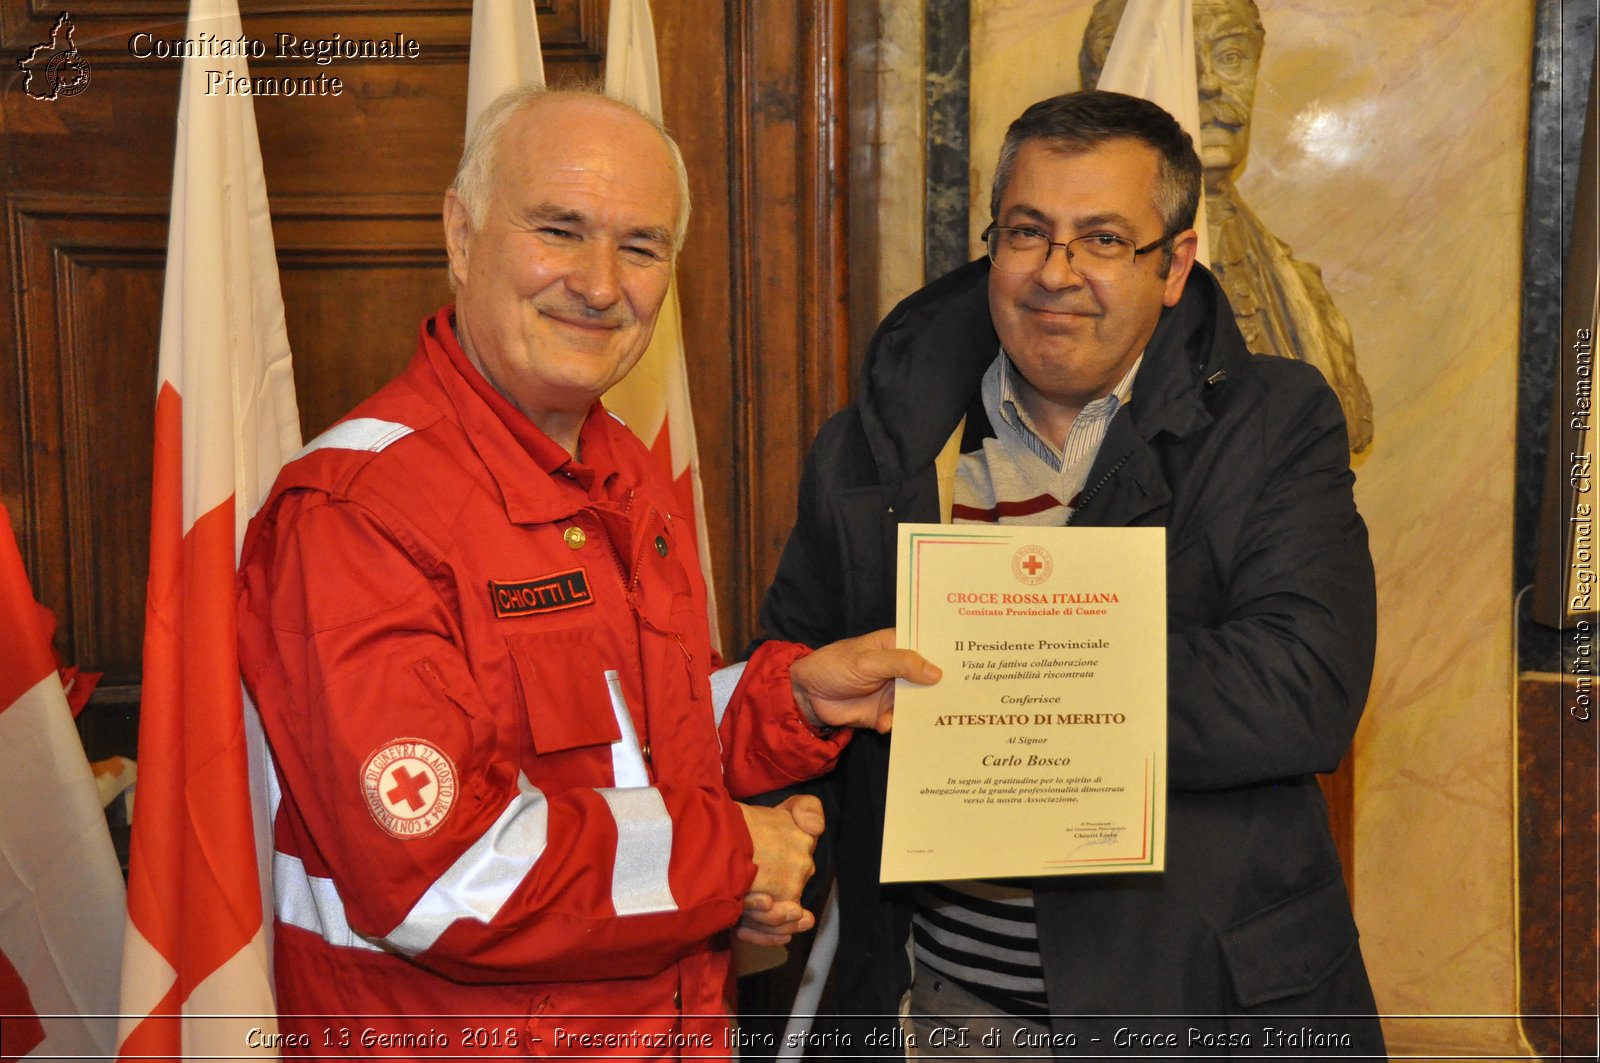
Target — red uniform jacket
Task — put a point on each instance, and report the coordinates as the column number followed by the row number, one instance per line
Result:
column 486, row 678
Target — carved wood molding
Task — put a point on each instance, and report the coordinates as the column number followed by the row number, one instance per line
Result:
column 790, row 288
column 85, row 268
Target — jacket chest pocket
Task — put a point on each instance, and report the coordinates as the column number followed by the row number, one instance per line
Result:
column 565, row 691
column 661, row 583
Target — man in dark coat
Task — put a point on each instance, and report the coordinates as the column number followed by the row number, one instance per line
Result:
column 1108, row 385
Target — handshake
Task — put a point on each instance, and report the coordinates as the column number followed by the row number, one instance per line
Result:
column 849, row 683
column 784, row 839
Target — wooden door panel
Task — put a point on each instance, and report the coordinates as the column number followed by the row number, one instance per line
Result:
column 90, row 273
column 85, row 181
column 347, row 343
column 768, row 353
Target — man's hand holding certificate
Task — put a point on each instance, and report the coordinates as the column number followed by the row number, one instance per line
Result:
column 1043, row 750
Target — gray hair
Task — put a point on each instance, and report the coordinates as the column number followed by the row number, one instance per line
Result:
column 1081, row 121
column 476, row 172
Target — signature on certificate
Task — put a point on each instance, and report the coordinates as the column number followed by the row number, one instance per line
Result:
column 1095, row 835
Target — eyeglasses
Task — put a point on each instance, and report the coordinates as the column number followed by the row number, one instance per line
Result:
column 1097, row 257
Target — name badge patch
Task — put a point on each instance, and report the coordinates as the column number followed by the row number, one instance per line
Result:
column 545, row 594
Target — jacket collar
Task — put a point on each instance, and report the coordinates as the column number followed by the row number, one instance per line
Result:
column 508, row 443
column 1196, row 346
column 928, row 357
column 923, row 365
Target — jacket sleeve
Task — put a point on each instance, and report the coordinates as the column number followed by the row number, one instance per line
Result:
column 1274, row 684
column 355, row 661
column 766, row 743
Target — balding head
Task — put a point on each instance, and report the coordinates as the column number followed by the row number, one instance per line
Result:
column 562, row 232
column 480, row 159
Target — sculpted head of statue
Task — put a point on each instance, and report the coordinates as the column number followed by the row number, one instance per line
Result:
column 1228, row 38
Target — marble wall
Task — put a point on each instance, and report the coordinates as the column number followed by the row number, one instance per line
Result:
column 1389, row 149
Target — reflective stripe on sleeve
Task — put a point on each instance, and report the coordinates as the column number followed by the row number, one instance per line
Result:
column 627, row 764
column 312, row 903
column 478, row 884
column 639, row 882
column 483, row 878
column 724, row 681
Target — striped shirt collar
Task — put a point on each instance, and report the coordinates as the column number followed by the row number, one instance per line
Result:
column 1001, row 398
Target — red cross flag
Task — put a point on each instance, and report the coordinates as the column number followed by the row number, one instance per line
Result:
column 196, row 976
column 654, row 399
column 61, row 893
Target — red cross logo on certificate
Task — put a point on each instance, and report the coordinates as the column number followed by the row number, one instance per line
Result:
column 1031, row 565
column 409, row 786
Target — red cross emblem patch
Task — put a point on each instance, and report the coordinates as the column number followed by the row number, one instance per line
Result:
column 409, row 787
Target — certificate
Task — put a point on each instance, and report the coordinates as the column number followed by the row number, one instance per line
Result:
column 1043, row 750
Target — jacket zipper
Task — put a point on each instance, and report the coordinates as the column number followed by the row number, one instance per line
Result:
column 642, row 733
column 1085, row 496
column 630, row 583
column 688, row 658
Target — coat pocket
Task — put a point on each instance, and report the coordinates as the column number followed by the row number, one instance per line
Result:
column 564, row 689
column 1292, row 947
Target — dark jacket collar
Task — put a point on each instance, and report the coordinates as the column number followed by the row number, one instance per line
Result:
column 928, row 357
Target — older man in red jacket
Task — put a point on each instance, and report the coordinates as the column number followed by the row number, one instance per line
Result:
column 476, row 629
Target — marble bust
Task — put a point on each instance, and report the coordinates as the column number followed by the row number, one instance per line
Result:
column 1281, row 304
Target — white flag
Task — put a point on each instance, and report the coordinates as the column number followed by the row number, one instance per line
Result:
column 1152, row 56
column 196, row 962
column 505, row 52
